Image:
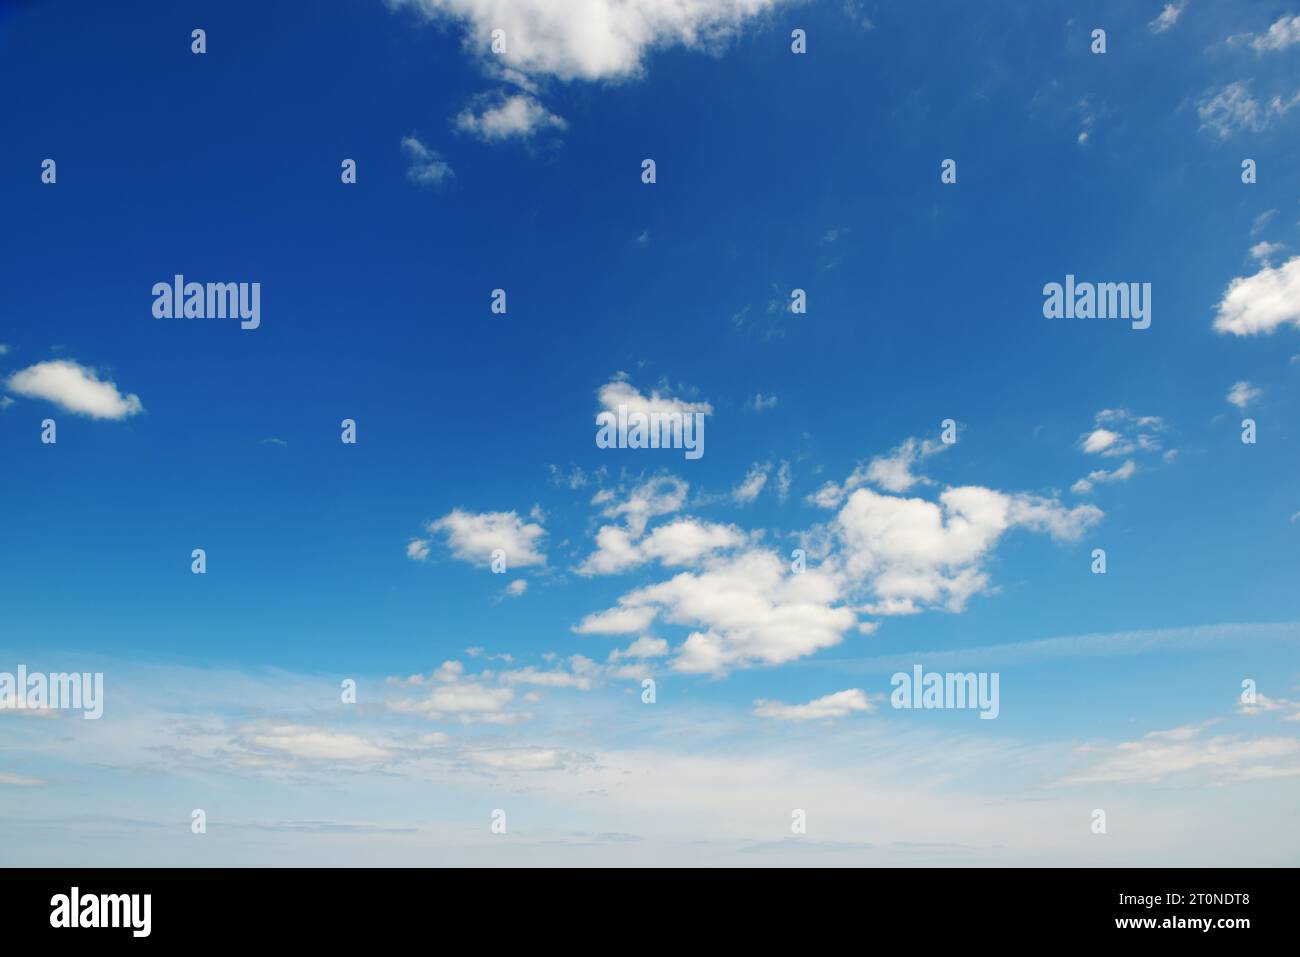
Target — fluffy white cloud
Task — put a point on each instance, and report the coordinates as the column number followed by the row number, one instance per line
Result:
column 838, row 705
column 417, row 549
column 474, row 536
column 74, row 387
column 518, row 116
column 620, row 392
column 891, row 472
column 1262, row 302
column 589, row 39
column 516, row 588
column 1168, row 17
column 1243, row 393
column 681, row 542
column 748, row 609
column 911, row 552
column 453, row 695
column 658, row 496
column 1284, row 32
column 427, row 167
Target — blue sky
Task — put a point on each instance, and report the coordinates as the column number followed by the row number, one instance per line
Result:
column 775, row 171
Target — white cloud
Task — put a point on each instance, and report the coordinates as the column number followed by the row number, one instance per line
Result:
column 1262, row 302
column 1118, row 432
column 1168, row 17
column 1261, row 221
column 76, row 388
column 1103, row 477
column 1243, row 393
column 452, row 695
column 753, row 483
column 783, row 480
column 911, row 552
column 516, row 588
column 891, row 472
column 580, row 674
column 681, row 542
column 761, row 403
column 838, row 705
column 1234, row 109
column 1284, row 32
column 516, row 116
column 1185, row 750
column 620, row 392
column 427, row 167
column 1265, row 251
column 644, row 647
column 474, row 536
column 622, row 620
column 589, row 39
column 1100, row 440
column 314, row 744
column 523, row 759
column 417, row 549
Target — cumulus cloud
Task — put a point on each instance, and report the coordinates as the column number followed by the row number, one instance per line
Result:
column 681, row 542
column 518, row 116
column 427, row 167
column 417, row 549
column 838, row 705
column 914, row 553
column 1261, row 303
column 474, row 536
column 74, row 387
column 891, row 472
column 589, row 39
column 1243, row 393
column 620, row 392
column 1284, row 32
